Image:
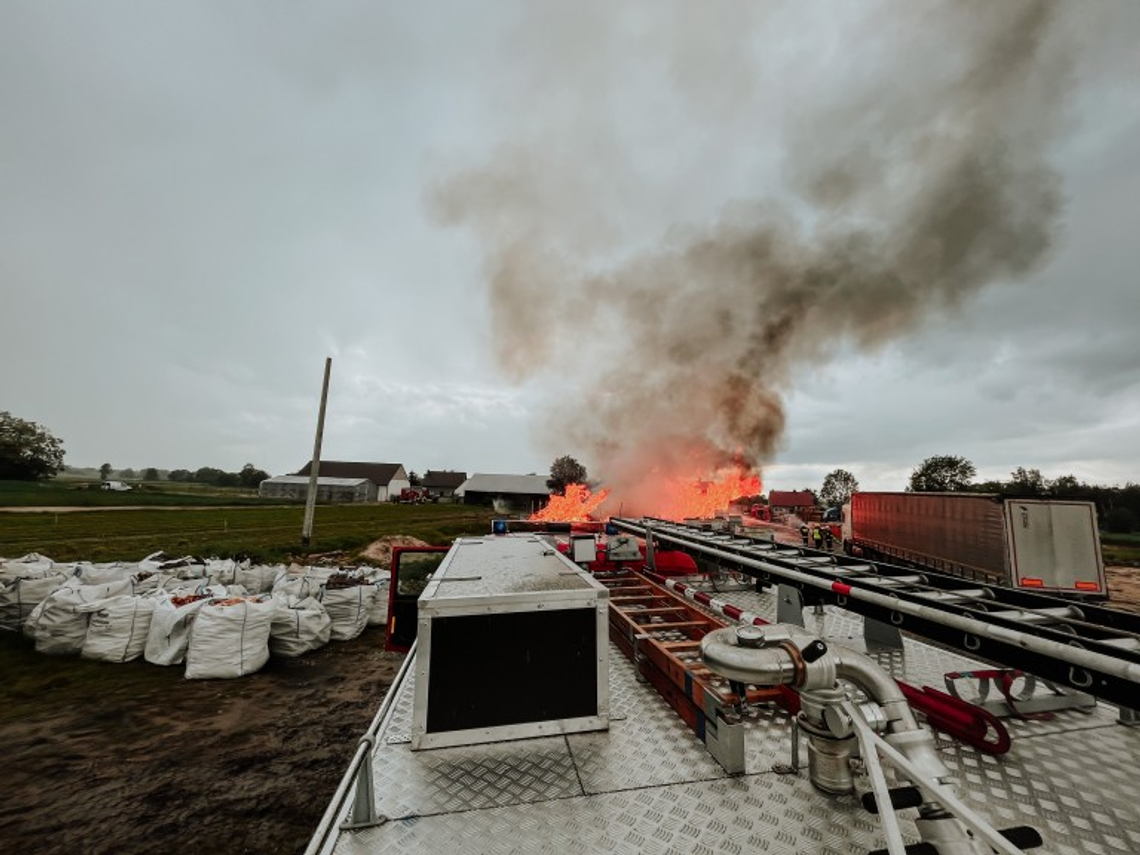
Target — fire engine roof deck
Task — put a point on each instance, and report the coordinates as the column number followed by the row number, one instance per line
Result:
column 647, row 784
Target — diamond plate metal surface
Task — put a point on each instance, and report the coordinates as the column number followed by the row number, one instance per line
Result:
column 735, row 816
column 648, row 786
column 1078, row 788
column 448, row 780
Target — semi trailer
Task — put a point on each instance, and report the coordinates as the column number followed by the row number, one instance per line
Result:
column 1048, row 545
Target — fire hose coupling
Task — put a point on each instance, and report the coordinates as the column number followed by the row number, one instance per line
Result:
column 771, row 655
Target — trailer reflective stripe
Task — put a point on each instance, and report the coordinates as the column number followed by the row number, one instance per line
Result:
column 1087, row 586
column 1031, row 583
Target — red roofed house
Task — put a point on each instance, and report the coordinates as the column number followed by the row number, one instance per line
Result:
column 799, row 502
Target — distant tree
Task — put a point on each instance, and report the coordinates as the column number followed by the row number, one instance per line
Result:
column 565, row 470
column 1066, row 486
column 1026, row 482
column 28, row 452
column 414, row 478
column 938, row 474
column 837, row 488
column 180, row 475
column 128, row 473
column 105, row 471
column 208, row 475
column 250, row 476
column 151, row 474
column 1120, row 521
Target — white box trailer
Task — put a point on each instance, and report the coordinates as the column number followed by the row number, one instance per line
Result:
column 1048, row 545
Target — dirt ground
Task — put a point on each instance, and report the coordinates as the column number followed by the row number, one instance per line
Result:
column 104, row 758
column 1123, row 588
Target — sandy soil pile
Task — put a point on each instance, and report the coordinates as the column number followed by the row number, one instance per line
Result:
column 380, row 551
column 1123, row 588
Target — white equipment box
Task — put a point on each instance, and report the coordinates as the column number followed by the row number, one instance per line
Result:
column 512, row 643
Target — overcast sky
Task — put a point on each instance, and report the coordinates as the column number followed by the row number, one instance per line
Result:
column 201, row 201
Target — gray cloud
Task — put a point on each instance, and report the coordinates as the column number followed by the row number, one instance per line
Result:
column 203, row 201
column 907, row 192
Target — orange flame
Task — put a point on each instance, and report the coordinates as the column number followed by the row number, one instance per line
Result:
column 658, row 495
column 681, row 499
column 576, row 506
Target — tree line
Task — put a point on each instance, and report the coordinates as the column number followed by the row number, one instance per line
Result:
column 1118, row 508
column 249, row 476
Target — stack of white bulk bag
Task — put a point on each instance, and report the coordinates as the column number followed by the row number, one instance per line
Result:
column 59, row 624
column 22, row 589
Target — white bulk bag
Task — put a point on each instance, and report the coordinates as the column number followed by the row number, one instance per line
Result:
column 118, row 628
column 60, row 626
column 378, row 614
column 348, row 609
column 298, row 586
column 100, row 574
column 299, row 625
column 19, row 596
column 230, row 638
column 188, row 567
column 32, row 565
column 170, row 626
column 259, row 579
column 221, row 571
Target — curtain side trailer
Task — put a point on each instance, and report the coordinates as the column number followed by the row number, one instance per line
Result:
column 1048, row 545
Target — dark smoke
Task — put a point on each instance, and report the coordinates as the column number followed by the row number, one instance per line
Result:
column 918, row 178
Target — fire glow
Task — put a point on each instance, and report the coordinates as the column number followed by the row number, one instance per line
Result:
column 669, row 498
column 681, row 499
column 578, row 505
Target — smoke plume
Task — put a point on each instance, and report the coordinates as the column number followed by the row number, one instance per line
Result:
column 913, row 172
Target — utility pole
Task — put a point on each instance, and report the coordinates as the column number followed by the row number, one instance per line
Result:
column 311, row 498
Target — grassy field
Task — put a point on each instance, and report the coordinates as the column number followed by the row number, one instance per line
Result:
column 87, row 494
column 1121, row 548
column 265, row 534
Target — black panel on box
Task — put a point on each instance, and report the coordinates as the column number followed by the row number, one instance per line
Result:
column 494, row 670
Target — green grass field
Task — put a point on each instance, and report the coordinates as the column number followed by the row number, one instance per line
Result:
column 266, row 534
column 1121, row 548
column 87, row 494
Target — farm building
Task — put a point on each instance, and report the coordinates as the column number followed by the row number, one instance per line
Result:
column 442, row 484
column 798, row 502
column 296, row 488
column 507, row 493
column 389, row 478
